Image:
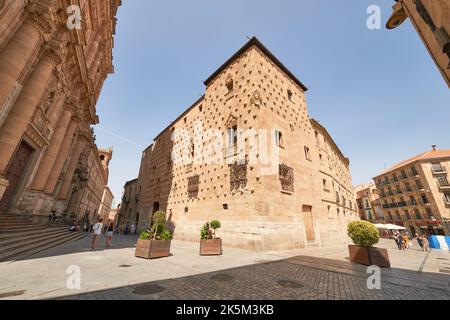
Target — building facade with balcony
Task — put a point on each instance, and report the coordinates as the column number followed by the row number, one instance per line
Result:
column 299, row 196
column 416, row 193
column 368, row 202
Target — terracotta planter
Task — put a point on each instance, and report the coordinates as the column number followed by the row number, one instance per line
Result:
column 211, row 247
column 369, row 256
column 150, row 249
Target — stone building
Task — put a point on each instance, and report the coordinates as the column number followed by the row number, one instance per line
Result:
column 431, row 19
column 416, row 193
column 368, row 201
column 51, row 77
column 129, row 209
column 247, row 153
column 107, row 197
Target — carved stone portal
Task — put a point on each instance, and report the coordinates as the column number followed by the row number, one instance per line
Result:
column 238, row 176
column 287, row 178
column 193, row 186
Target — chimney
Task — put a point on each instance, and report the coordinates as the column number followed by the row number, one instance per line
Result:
column 434, row 147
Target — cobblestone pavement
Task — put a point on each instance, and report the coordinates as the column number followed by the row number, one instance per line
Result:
column 284, row 280
column 315, row 273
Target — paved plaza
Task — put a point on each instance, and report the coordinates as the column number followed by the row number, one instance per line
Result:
column 315, row 273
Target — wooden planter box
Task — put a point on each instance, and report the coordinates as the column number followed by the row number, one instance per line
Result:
column 369, row 256
column 150, row 249
column 211, row 247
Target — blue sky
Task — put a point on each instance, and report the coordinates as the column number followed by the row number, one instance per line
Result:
column 377, row 92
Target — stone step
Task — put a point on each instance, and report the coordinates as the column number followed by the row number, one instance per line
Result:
column 15, row 224
column 4, row 242
column 36, row 247
column 42, row 237
column 19, row 229
column 312, row 244
column 22, row 233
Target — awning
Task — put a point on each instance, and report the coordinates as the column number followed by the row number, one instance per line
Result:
column 389, row 226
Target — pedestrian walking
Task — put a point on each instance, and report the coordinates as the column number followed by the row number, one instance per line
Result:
column 109, row 235
column 133, row 229
column 398, row 240
column 98, row 228
column 405, row 239
column 419, row 241
column 426, row 243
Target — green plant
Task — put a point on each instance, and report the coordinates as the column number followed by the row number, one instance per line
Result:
column 363, row 233
column 165, row 235
column 158, row 230
column 208, row 230
column 215, row 224
column 145, row 235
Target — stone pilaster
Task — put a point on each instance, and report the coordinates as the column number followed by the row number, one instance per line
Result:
column 17, row 121
column 15, row 57
column 63, row 193
column 52, row 152
column 61, row 157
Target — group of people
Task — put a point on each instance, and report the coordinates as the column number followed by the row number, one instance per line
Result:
column 403, row 241
column 127, row 229
column 99, row 229
column 74, row 226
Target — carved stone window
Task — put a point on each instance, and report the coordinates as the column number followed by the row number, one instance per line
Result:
column 289, row 95
column 279, row 141
column 238, row 176
column 193, row 186
column 229, row 83
column 286, row 178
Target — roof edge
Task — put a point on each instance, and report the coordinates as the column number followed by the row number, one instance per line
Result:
column 255, row 42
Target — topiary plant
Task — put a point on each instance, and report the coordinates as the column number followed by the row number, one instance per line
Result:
column 208, row 231
column 363, row 233
column 158, row 230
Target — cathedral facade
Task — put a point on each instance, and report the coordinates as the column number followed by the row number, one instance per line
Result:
column 54, row 58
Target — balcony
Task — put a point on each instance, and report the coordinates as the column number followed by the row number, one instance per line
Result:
column 439, row 171
column 447, row 201
column 402, row 204
column 443, row 187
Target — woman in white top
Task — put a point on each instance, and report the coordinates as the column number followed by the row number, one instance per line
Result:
column 98, row 228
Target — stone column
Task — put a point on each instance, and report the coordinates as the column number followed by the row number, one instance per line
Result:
column 63, row 193
column 52, row 151
column 15, row 57
column 92, row 50
column 96, row 63
column 17, row 121
column 61, row 157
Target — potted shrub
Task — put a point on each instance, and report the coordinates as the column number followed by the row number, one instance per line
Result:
column 365, row 235
column 155, row 241
column 209, row 244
